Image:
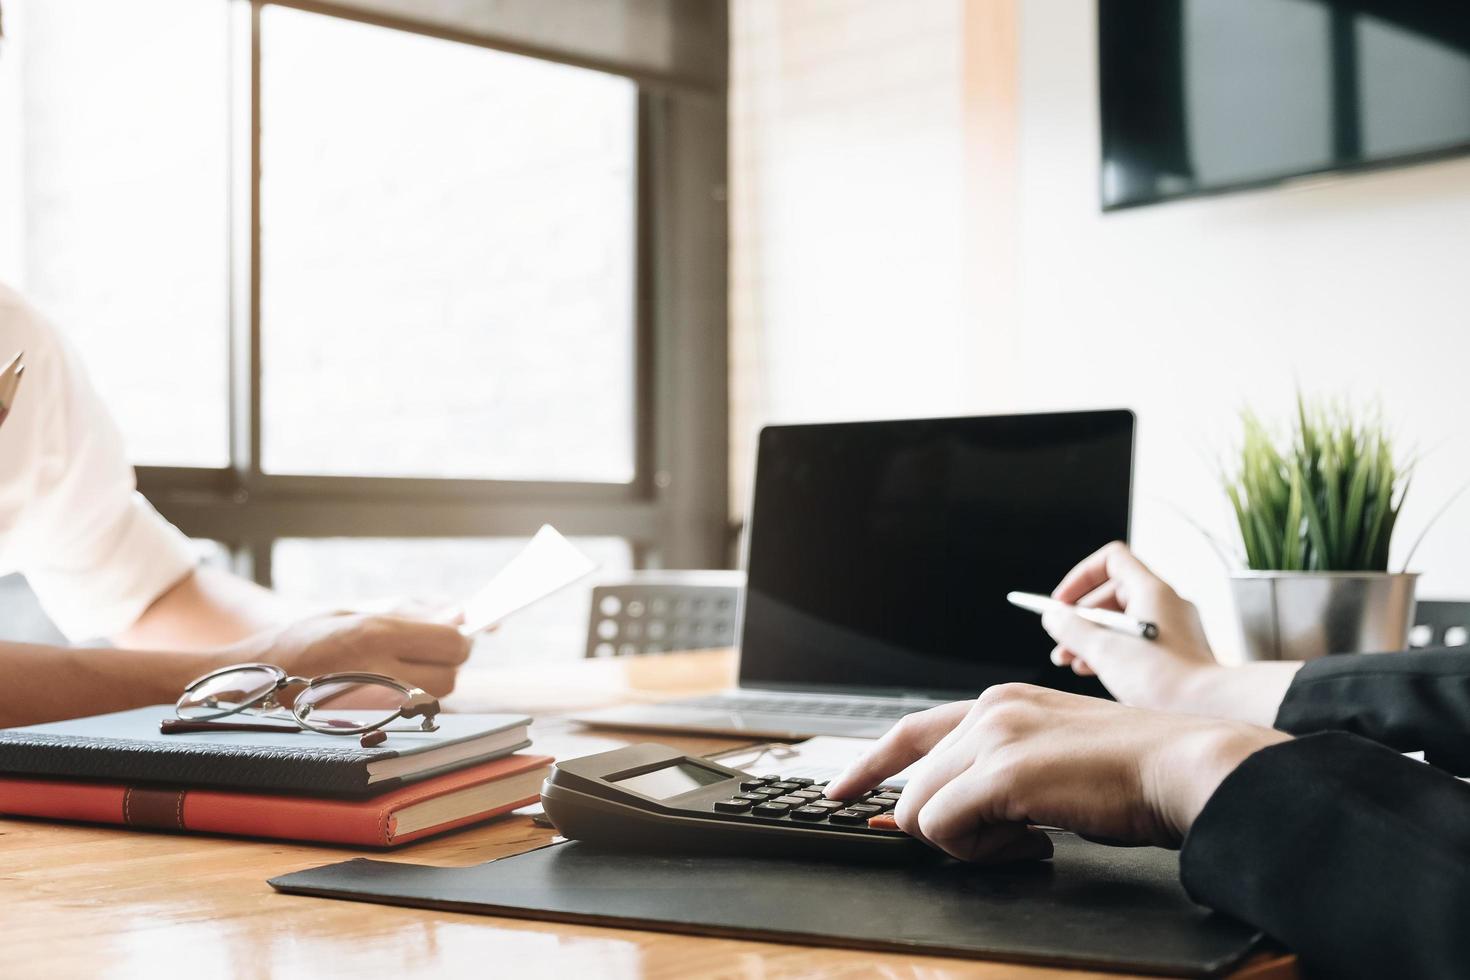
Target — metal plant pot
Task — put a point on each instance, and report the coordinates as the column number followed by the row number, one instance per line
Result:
column 1305, row 615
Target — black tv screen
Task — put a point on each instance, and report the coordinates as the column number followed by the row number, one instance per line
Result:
column 1200, row 96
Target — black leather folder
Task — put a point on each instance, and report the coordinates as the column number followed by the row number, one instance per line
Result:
column 1090, row 906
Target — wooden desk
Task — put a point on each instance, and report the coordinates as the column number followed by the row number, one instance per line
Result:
column 81, row 901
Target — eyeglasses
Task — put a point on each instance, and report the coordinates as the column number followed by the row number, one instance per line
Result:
column 348, row 703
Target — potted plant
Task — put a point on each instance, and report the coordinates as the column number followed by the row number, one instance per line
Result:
column 1316, row 514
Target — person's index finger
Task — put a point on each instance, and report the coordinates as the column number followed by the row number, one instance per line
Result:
column 1111, row 561
column 904, row 744
column 1084, row 577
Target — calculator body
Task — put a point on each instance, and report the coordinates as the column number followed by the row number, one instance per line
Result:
column 654, row 798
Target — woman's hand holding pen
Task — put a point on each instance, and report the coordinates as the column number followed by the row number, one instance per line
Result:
column 1175, row 672
column 1158, row 673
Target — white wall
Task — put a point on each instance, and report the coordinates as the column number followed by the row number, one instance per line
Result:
column 851, row 296
column 846, row 166
column 1356, row 286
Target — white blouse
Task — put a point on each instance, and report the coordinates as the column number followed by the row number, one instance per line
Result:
column 71, row 519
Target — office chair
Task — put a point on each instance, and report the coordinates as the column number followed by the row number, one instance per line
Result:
column 658, row 612
column 1440, row 624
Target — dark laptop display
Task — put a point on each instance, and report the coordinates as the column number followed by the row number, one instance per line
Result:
column 882, row 552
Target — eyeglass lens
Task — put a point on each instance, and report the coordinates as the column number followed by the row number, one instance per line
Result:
column 226, row 692
column 348, row 704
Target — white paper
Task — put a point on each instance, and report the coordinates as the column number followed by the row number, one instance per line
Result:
column 820, row 758
column 546, row 565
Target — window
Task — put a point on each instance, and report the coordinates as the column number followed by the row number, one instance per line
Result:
column 464, row 277
column 373, row 301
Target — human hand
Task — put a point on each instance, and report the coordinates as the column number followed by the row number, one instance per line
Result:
column 1166, row 673
column 420, row 653
column 428, row 609
column 1022, row 755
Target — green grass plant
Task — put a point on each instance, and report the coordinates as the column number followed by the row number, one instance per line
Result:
column 1324, row 499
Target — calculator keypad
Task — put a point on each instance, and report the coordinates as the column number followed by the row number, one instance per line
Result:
column 800, row 800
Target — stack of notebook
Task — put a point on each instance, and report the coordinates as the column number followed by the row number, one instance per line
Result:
column 118, row 769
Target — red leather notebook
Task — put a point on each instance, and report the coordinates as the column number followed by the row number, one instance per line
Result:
column 401, row 815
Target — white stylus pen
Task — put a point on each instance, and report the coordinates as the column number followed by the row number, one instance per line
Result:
column 1102, row 617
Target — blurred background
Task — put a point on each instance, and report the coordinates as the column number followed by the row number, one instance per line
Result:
column 376, row 287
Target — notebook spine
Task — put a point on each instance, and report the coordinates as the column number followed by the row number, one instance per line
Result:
column 320, row 771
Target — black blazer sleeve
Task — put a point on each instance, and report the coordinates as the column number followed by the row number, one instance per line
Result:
column 1355, row 857
column 1413, row 702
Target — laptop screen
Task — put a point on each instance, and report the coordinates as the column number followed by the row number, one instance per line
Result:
column 881, row 552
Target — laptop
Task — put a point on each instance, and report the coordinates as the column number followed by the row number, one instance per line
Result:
column 879, row 558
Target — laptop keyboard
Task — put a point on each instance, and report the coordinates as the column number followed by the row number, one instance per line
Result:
column 835, row 706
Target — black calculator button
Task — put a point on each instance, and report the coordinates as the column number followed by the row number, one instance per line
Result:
column 767, row 791
column 732, row 806
column 829, row 804
column 785, row 785
column 771, row 809
column 867, row 810
column 801, row 780
column 880, row 802
column 752, row 797
column 885, row 798
column 750, row 784
column 768, row 779
column 790, row 800
column 808, row 813
column 850, row 817
column 807, row 794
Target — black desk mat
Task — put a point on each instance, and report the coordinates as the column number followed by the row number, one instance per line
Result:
column 1090, row 906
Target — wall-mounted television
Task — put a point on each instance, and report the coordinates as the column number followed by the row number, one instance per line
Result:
column 1203, row 96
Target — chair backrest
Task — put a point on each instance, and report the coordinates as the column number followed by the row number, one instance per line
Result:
column 658, row 612
column 1439, row 623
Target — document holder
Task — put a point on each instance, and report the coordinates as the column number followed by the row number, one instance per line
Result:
column 1091, row 906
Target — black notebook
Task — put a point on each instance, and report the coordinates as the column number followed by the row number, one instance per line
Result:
column 127, row 746
column 1091, row 906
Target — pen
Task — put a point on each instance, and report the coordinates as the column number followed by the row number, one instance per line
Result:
column 1102, row 617
column 9, row 383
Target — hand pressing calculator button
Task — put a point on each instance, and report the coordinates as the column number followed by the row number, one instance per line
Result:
column 654, row 798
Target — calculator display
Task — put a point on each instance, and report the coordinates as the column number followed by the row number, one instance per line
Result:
column 671, row 780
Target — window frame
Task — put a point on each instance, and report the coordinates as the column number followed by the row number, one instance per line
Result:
column 674, row 512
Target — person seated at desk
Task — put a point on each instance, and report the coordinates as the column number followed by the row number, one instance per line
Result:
column 105, row 564
column 1281, row 783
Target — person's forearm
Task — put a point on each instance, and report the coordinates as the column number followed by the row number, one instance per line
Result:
column 1250, row 692
column 207, row 608
column 52, row 683
column 1355, row 857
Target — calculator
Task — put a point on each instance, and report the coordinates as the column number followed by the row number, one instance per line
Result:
column 653, row 797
